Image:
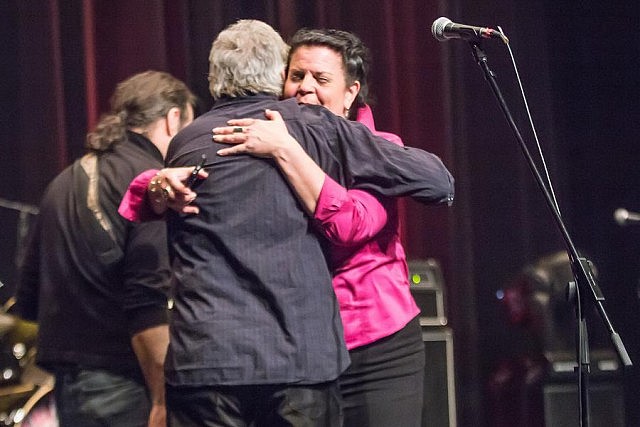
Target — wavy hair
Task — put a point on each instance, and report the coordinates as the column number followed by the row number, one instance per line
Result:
column 247, row 58
column 137, row 102
column 356, row 59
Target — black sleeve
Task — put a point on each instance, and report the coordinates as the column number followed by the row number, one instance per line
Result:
column 146, row 275
column 374, row 164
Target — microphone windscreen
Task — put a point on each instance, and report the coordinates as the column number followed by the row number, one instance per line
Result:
column 621, row 216
column 437, row 28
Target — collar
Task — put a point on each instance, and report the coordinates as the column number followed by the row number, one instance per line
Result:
column 145, row 144
column 365, row 116
column 249, row 99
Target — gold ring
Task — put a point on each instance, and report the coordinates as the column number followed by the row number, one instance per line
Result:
column 158, row 194
column 238, row 130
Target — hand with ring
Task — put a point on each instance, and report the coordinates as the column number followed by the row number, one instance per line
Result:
column 260, row 138
column 168, row 189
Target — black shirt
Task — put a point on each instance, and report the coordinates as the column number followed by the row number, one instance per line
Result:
column 88, row 304
column 253, row 296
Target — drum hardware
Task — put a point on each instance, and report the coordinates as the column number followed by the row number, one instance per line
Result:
column 17, row 347
column 28, row 405
column 26, row 396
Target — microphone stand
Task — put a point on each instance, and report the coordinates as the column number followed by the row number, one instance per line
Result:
column 580, row 266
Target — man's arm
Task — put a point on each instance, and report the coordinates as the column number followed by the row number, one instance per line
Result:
column 144, row 300
column 374, row 164
column 346, row 151
column 150, row 346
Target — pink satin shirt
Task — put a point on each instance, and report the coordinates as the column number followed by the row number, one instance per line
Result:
column 371, row 278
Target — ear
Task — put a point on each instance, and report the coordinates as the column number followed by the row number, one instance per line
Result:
column 173, row 121
column 351, row 94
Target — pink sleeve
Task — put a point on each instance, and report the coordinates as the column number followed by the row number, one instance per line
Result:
column 348, row 217
column 134, row 205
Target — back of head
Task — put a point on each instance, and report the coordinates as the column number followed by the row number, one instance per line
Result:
column 355, row 55
column 138, row 102
column 247, row 58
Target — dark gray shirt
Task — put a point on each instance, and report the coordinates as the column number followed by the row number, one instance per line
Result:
column 87, row 300
column 253, row 296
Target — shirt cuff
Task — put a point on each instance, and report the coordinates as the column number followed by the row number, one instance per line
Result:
column 147, row 317
column 134, row 205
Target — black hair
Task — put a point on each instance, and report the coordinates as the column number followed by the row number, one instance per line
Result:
column 355, row 56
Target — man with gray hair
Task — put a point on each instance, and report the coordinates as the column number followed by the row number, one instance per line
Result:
column 256, row 337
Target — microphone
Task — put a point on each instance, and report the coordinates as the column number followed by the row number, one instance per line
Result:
column 443, row 29
column 624, row 217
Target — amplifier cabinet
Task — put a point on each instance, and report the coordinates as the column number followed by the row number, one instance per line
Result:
column 439, row 408
column 427, row 288
column 606, row 401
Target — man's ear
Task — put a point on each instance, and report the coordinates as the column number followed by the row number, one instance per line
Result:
column 173, row 121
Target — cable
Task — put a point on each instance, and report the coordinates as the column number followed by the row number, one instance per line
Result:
column 533, row 128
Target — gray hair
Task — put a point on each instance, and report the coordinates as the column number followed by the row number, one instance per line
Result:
column 247, row 58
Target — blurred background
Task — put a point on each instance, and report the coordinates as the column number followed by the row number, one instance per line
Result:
column 498, row 249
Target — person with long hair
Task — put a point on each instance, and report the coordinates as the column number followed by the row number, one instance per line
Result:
column 97, row 284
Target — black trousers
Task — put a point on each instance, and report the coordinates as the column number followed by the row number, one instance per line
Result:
column 254, row 406
column 384, row 386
